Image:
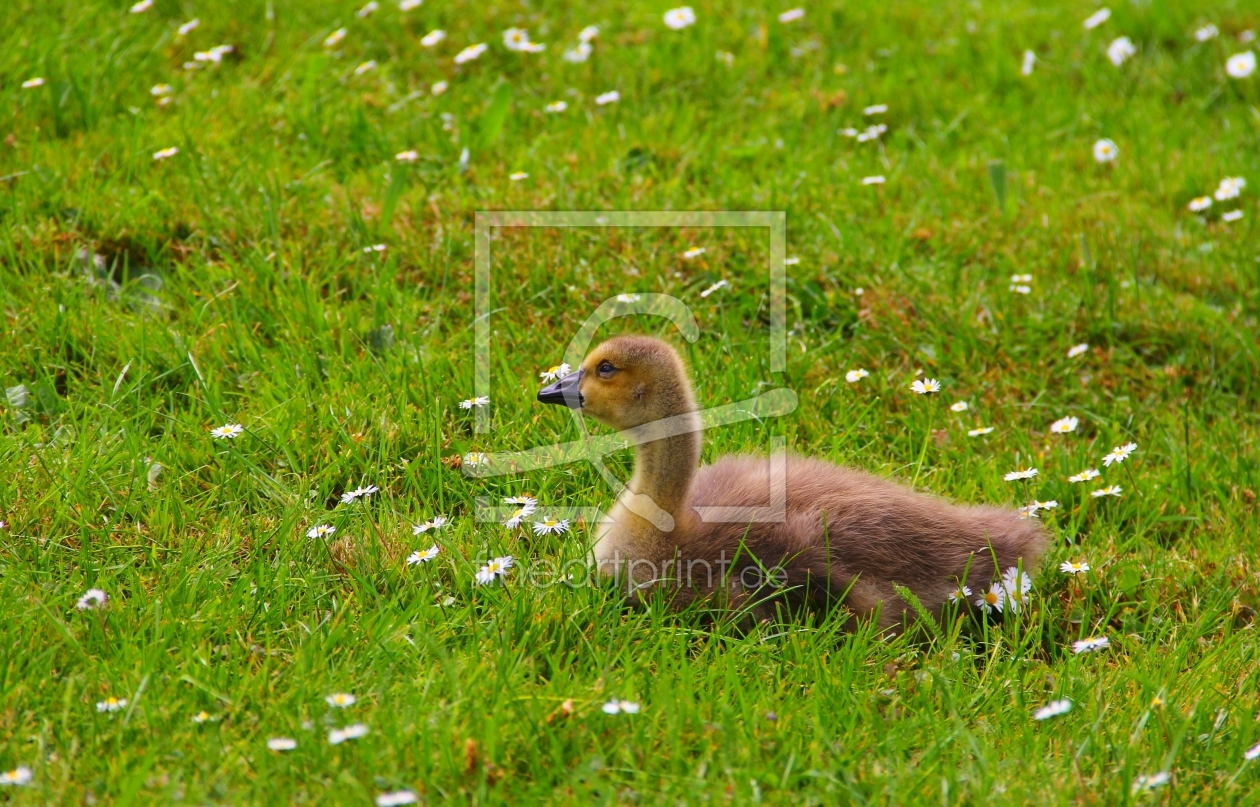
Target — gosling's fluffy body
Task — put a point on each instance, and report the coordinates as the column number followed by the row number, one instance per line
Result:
column 846, row 536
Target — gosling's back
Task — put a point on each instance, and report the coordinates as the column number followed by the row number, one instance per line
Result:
column 877, row 533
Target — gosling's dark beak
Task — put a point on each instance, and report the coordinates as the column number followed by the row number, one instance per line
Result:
column 565, row 392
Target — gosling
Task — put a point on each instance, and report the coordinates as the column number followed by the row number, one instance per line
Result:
column 839, row 538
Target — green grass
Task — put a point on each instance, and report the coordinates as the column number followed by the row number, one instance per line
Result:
column 234, row 288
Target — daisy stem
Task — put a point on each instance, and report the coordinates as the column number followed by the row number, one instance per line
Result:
column 927, row 438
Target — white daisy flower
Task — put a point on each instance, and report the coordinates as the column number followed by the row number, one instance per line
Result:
column 875, row 109
column 188, row 27
column 579, row 54
column 1205, row 33
column 847, row 131
column 535, row 47
column 1241, row 65
column 472, row 460
column 92, row 599
column 1020, row 289
column 321, row 531
column 1091, row 645
column 1252, row 753
column 1200, row 203
column 679, row 18
column 364, row 67
column 629, row 298
column 1021, row 278
column 1017, row 583
column 141, row 7
column 410, row 5
column 1077, row 350
column 992, row 600
column 1105, row 151
column 418, row 557
column 1064, row 425
column 229, row 431
column 610, row 97
column 1031, row 510
column 334, row 39
column 480, row 401
column 214, row 55
column 694, row 252
column 158, row 90
column 924, row 386
column 438, row 88
column 340, row 700
column 32, row 83
column 1229, row 188
column 1110, row 490
column 1097, row 18
column 516, row 39
column 793, row 261
column 875, row 180
column 1150, row 782
column 368, row 10
column 1053, row 709
column 111, row 705
column 496, row 568
column 556, row 106
column 854, row 376
column 1120, row 454
column 432, row 38
column 615, row 706
column 960, row 594
column 588, row 33
column 281, row 743
column 470, row 53
column 409, row 156
column 872, row 133
column 201, row 717
column 1030, row 60
column 396, row 798
column 520, row 514
column 551, row 526
column 517, row 176
column 1233, row 215
column 351, row 496
column 958, row 406
column 792, row 15
column 1027, row 473
column 1084, row 476
column 556, row 373
column 1074, row 567
column 980, row 431
column 165, row 154
column 352, row 732
column 721, row 284
column 21, row 775
column 1120, row 50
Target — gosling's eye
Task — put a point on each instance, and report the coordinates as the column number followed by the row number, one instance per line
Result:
column 606, row 369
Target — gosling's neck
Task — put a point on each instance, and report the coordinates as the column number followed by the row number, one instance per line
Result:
column 665, row 462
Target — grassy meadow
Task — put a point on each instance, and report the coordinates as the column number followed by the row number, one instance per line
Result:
column 280, row 236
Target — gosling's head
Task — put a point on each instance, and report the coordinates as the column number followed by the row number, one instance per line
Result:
column 625, row 382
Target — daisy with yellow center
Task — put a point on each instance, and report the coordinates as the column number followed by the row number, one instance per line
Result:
column 555, row 373
column 992, row 600
column 340, row 700
column 551, row 526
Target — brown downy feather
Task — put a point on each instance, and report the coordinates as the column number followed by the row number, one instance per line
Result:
column 845, row 538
